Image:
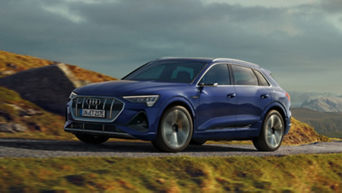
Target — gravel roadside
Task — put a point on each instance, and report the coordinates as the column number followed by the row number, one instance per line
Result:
column 54, row 148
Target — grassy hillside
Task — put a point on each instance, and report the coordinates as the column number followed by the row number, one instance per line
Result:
column 21, row 118
column 88, row 76
column 302, row 133
column 11, row 63
column 300, row 173
column 329, row 124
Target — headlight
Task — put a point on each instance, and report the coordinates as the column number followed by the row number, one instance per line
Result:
column 148, row 99
column 72, row 95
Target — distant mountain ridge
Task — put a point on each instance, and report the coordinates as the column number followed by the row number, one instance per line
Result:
column 325, row 123
column 324, row 104
column 298, row 97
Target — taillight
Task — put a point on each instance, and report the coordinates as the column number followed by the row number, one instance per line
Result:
column 288, row 96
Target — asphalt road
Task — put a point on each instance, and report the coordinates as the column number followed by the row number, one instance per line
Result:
column 53, row 148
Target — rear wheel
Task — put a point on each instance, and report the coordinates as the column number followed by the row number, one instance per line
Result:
column 91, row 139
column 175, row 130
column 272, row 132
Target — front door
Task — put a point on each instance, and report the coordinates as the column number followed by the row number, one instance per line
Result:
column 217, row 99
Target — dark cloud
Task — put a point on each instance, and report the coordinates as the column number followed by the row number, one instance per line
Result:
column 334, row 6
column 299, row 43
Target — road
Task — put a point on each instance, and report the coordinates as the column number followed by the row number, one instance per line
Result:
column 54, row 148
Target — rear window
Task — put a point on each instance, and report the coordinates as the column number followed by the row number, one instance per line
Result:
column 244, row 76
column 261, row 78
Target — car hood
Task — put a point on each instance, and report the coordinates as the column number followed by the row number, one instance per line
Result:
column 124, row 87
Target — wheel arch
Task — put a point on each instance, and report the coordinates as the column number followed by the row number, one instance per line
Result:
column 182, row 102
column 278, row 107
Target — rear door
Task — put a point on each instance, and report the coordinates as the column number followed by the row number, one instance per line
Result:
column 217, row 99
column 253, row 94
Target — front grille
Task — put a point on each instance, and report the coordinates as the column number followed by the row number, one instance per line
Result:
column 111, row 106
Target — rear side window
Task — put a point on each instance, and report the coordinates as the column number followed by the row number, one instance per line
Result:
column 244, row 76
column 217, row 74
column 262, row 80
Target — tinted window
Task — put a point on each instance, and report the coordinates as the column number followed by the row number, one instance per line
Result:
column 244, row 76
column 262, row 80
column 168, row 71
column 217, row 74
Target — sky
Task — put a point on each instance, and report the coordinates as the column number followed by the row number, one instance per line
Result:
column 300, row 41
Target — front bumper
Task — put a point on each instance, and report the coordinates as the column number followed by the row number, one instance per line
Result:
column 135, row 121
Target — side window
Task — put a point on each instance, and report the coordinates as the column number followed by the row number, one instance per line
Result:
column 262, row 80
column 217, row 74
column 244, row 76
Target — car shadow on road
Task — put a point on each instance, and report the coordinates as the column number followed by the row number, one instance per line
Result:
column 114, row 147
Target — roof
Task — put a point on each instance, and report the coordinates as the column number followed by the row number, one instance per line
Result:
column 214, row 60
column 236, row 61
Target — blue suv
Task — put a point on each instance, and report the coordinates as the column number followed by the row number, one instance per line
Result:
column 174, row 102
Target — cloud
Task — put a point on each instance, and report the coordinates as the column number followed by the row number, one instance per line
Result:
column 297, row 40
column 63, row 11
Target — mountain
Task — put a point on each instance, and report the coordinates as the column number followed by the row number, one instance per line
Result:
column 33, row 93
column 325, row 123
column 298, row 98
column 324, row 104
column 44, row 83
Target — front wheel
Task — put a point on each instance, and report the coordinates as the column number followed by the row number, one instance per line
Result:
column 272, row 132
column 175, row 130
column 91, row 139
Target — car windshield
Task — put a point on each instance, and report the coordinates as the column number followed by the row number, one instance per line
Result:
column 178, row 71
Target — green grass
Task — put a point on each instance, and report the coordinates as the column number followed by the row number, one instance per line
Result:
column 40, row 124
column 299, row 173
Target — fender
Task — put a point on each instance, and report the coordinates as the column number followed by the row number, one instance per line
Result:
column 182, row 100
column 279, row 105
column 179, row 99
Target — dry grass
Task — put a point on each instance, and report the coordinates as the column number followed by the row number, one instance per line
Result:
column 299, row 173
column 88, row 76
column 302, row 133
column 11, row 63
column 39, row 123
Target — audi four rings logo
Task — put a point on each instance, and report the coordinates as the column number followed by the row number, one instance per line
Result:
column 93, row 101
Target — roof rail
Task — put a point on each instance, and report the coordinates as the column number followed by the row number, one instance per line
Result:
column 234, row 60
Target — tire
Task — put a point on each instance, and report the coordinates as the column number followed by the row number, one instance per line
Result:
column 175, row 130
column 91, row 139
column 197, row 141
column 272, row 132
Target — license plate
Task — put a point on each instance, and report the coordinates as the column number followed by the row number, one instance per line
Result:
column 93, row 113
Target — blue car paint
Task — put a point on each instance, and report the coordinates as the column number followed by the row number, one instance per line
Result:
column 215, row 116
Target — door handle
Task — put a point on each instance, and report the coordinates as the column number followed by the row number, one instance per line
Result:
column 264, row 96
column 231, row 95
